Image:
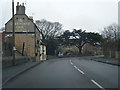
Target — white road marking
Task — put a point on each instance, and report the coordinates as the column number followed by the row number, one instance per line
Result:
column 84, row 73
column 80, row 71
column 77, row 68
column 71, row 62
column 97, row 84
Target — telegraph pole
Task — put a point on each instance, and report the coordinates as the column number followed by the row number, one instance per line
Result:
column 13, row 61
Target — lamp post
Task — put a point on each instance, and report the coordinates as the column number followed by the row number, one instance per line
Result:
column 14, row 49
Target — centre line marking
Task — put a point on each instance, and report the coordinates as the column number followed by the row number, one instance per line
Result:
column 77, row 68
column 84, row 73
column 80, row 71
column 97, row 84
column 71, row 62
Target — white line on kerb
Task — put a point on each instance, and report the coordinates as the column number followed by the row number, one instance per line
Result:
column 97, row 84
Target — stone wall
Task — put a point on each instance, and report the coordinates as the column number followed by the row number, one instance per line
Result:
column 7, row 61
column 112, row 54
column 29, row 44
column 117, row 54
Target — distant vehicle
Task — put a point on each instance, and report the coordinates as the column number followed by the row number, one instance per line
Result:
column 60, row 54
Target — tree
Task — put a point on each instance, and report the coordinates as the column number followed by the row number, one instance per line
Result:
column 52, row 45
column 48, row 29
column 111, row 36
column 111, row 31
column 111, row 40
column 2, row 29
column 79, row 38
column 64, row 39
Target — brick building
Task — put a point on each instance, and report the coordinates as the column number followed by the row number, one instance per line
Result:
column 27, row 35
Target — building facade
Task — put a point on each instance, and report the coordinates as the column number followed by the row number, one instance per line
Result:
column 89, row 49
column 27, row 35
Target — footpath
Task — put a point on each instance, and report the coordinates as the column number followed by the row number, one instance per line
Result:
column 101, row 59
column 13, row 71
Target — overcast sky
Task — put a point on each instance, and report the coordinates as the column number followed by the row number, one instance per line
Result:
column 90, row 15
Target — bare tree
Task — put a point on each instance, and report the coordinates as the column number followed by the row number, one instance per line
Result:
column 111, row 32
column 110, row 38
column 2, row 29
column 48, row 29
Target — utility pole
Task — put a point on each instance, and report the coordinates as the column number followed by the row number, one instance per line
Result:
column 14, row 49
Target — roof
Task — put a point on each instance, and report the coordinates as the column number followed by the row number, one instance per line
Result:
column 28, row 19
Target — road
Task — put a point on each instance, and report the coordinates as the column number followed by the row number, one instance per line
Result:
column 68, row 73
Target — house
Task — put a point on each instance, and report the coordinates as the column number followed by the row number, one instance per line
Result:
column 89, row 49
column 27, row 35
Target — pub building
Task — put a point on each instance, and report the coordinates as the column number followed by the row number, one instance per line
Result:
column 27, row 35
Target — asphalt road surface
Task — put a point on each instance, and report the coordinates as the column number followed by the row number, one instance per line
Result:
column 68, row 73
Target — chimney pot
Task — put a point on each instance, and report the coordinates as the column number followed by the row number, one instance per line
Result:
column 22, row 4
column 20, row 8
column 17, row 3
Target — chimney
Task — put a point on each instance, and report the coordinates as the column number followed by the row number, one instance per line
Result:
column 17, row 3
column 20, row 9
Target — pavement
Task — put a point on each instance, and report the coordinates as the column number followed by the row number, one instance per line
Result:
column 13, row 71
column 68, row 73
column 101, row 59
